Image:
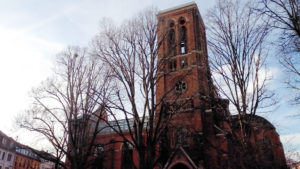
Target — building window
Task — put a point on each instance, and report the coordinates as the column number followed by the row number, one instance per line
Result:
column 3, row 155
column 182, row 135
column 182, row 35
column 183, row 62
column 182, row 44
column 172, row 65
column 127, row 152
column 3, row 141
column 171, row 42
column 8, row 157
column 98, row 157
column 98, row 150
column 181, row 21
column 11, row 145
column 180, row 86
column 171, row 24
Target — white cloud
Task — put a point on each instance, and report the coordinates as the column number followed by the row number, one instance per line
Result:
column 292, row 139
column 291, row 144
column 25, row 60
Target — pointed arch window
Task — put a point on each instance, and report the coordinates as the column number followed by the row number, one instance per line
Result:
column 171, row 42
column 182, row 43
column 183, row 62
column 98, row 157
column 127, row 152
column 172, row 65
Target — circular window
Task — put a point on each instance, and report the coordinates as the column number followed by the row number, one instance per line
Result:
column 180, row 86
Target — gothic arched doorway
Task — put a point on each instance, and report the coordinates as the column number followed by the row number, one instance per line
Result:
column 180, row 166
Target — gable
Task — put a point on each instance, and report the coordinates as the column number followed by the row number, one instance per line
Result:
column 180, row 158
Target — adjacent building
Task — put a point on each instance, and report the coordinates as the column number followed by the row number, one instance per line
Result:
column 26, row 158
column 7, row 153
column 14, row 155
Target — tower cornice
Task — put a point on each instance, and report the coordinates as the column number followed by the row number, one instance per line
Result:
column 169, row 10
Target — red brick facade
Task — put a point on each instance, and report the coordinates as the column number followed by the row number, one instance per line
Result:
column 196, row 137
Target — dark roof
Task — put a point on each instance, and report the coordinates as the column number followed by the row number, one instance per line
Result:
column 6, row 142
column 254, row 120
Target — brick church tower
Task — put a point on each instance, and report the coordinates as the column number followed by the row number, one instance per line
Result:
column 186, row 76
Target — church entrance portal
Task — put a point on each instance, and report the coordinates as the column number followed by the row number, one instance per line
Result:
column 180, row 166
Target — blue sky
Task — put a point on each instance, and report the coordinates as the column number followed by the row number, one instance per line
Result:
column 32, row 32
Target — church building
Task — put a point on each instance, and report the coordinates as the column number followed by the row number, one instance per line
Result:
column 197, row 137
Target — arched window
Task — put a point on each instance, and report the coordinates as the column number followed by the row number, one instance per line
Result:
column 171, row 42
column 171, row 23
column 127, row 152
column 183, row 62
column 98, row 150
column 98, row 157
column 181, row 21
column 182, row 43
column 172, row 65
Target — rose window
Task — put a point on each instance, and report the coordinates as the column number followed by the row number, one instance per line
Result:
column 180, row 86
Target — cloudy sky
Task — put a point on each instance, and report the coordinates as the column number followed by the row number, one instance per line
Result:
column 32, row 32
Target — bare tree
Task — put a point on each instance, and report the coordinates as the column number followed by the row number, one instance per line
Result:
column 285, row 15
column 130, row 51
column 236, row 40
column 67, row 107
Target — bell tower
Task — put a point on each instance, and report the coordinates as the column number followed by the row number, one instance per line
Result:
column 184, row 70
column 184, row 79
